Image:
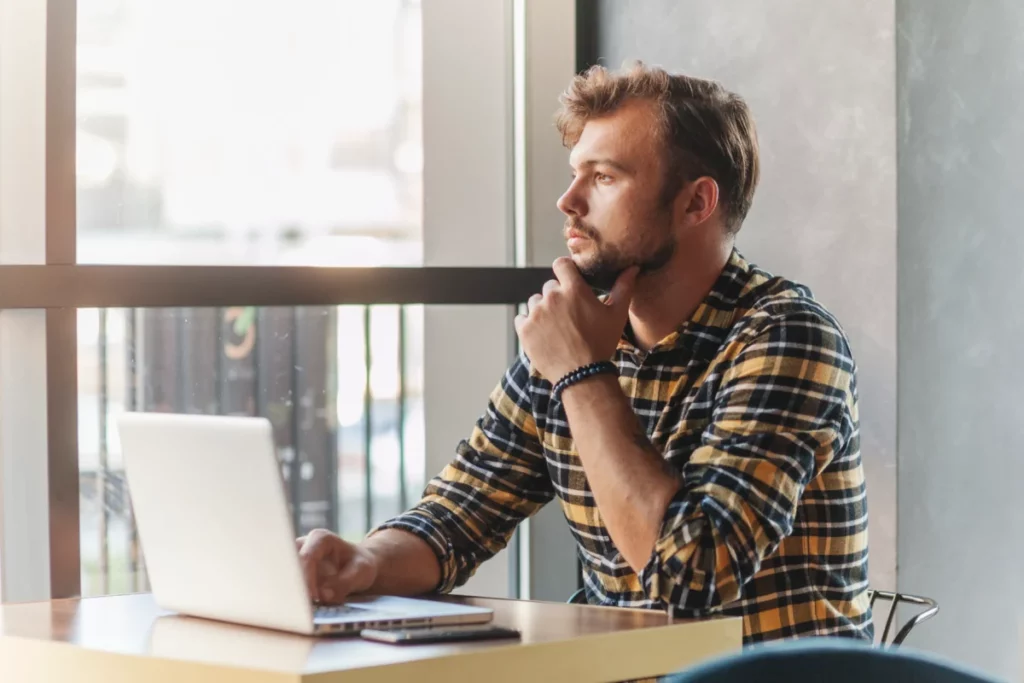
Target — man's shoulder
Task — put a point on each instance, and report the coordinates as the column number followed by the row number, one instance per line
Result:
column 771, row 303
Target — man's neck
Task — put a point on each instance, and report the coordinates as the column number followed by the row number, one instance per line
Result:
column 666, row 299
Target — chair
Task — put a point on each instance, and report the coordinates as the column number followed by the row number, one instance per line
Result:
column 832, row 660
column 894, row 599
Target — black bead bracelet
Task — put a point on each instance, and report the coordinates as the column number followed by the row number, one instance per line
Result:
column 582, row 373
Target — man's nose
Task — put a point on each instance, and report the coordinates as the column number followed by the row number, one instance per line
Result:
column 570, row 203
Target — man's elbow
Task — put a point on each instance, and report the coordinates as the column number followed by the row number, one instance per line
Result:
column 644, row 545
column 689, row 571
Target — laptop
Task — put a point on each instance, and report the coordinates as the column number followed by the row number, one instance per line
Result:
column 214, row 525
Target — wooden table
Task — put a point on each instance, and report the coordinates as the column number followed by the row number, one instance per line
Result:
column 124, row 639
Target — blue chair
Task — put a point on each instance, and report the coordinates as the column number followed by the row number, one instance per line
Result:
column 828, row 660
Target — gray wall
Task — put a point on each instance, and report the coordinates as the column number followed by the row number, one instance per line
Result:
column 961, row 318
column 841, row 90
column 819, row 77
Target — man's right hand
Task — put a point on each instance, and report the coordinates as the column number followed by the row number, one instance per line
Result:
column 335, row 569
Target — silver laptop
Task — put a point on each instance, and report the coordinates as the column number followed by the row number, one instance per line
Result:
column 213, row 521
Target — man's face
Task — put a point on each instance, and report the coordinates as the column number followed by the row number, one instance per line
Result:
column 616, row 213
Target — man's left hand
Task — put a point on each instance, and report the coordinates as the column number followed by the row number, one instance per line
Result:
column 567, row 326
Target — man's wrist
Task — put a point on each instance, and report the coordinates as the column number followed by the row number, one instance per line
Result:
column 402, row 561
column 582, row 374
column 593, row 387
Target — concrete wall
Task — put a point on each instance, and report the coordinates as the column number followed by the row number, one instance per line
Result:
column 820, row 80
column 841, row 90
column 961, row 318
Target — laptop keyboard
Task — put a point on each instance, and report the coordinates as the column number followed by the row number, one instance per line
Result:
column 335, row 611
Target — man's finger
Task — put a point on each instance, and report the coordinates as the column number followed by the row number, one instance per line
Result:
column 326, row 569
column 622, row 290
column 533, row 302
column 351, row 579
column 518, row 323
column 299, row 542
column 567, row 273
column 336, row 588
column 549, row 286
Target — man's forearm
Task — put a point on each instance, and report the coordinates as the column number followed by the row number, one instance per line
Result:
column 406, row 565
column 631, row 482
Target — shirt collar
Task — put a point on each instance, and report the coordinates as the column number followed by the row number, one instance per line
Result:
column 705, row 330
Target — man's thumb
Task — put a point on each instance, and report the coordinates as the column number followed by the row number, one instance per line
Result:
column 622, row 290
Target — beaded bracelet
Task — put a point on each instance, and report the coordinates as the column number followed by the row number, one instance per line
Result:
column 582, row 373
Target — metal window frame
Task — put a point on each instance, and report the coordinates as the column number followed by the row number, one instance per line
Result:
column 83, row 286
column 38, row 432
column 62, row 320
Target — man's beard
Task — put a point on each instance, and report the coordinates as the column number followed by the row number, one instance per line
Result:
column 609, row 262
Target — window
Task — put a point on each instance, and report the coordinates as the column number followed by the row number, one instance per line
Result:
column 207, row 136
column 279, row 135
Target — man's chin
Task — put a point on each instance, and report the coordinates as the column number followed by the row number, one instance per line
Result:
column 599, row 279
column 583, row 265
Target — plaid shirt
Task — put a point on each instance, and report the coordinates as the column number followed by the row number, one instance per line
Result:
column 753, row 402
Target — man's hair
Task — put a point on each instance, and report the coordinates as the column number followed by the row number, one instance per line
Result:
column 706, row 130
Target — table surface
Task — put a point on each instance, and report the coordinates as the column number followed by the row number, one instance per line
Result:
column 119, row 634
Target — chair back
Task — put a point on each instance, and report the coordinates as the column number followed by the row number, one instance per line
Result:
column 828, row 660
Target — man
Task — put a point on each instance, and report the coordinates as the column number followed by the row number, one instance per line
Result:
column 713, row 466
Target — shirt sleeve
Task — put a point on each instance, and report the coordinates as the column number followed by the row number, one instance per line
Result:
column 785, row 408
column 498, row 478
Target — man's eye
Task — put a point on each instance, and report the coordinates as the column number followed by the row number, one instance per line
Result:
column 603, row 178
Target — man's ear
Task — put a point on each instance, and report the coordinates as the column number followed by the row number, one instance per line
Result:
column 697, row 200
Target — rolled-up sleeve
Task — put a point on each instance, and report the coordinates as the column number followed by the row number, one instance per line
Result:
column 785, row 407
column 498, row 478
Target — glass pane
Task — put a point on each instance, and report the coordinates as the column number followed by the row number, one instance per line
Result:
column 213, row 132
column 342, row 386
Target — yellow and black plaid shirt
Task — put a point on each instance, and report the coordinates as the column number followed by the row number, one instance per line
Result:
column 753, row 401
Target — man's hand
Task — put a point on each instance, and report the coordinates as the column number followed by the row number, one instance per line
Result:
column 567, row 326
column 335, row 569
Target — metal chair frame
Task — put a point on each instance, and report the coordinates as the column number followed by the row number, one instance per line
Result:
column 895, row 599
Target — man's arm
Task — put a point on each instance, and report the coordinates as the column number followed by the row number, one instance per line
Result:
column 467, row 514
column 498, row 478
column 630, row 480
column 782, row 413
column 406, row 565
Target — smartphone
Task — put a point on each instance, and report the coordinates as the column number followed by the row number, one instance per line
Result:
column 439, row 634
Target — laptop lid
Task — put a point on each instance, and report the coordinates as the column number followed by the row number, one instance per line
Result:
column 213, row 520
